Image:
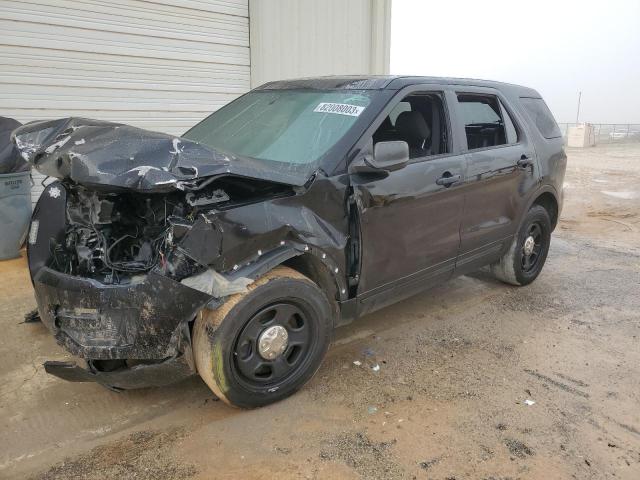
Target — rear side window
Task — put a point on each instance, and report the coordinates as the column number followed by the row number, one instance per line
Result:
column 541, row 116
column 482, row 117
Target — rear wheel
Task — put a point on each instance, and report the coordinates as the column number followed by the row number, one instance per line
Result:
column 260, row 347
column 523, row 262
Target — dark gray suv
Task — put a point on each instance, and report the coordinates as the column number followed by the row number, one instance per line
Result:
column 234, row 250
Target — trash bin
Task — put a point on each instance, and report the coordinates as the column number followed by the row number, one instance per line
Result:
column 15, row 212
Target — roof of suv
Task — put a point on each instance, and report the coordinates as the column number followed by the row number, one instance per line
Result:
column 386, row 82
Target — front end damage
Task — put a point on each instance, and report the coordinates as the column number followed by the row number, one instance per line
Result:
column 142, row 231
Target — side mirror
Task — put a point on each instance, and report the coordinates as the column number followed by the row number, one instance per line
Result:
column 390, row 156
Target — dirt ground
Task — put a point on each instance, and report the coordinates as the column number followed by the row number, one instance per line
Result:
column 458, row 366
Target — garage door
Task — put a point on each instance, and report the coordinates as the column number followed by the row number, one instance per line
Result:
column 161, row 65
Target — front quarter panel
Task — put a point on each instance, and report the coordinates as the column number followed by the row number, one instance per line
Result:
column 314, row 222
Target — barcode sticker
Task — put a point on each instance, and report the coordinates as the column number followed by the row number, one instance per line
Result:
column 340, row 109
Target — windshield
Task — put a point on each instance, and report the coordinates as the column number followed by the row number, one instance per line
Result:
column 290, row 130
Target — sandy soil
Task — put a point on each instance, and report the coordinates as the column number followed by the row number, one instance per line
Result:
column 457, row 366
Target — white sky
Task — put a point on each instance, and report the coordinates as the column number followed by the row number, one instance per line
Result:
column 557, row 47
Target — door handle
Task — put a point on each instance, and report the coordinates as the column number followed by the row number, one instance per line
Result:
column 446, row 180
column 525, row 161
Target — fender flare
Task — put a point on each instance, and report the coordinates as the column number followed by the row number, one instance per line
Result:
column 278, row 256
column 545, row 188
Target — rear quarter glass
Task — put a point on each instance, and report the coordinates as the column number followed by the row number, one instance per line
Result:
column 541, row 117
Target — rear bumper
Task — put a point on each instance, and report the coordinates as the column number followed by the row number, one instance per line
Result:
column 145, row 320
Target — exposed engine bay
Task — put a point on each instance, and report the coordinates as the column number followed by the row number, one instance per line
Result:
column 111, row 237
column 108, row 236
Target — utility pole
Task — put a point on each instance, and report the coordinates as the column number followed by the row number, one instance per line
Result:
column 578, row 113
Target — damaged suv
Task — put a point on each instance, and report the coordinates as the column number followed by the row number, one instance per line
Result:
column 234, row 250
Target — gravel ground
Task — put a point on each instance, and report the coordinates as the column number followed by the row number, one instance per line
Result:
column 477, row 380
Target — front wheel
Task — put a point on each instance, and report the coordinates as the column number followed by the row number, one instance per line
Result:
column 525, row 258
column 261, row 346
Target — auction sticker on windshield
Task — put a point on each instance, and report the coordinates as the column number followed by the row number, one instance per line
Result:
column 339, row 108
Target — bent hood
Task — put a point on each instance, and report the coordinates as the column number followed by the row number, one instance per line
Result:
column 104, row 154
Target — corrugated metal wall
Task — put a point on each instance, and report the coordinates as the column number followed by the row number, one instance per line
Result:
column 296, row 38
column 161, row 65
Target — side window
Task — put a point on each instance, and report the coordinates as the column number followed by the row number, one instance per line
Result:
column 541, row 117
column 397, row 110
column 420, row 120
column 512, row 133
column 482, row 119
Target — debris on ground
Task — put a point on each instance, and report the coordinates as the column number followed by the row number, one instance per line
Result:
column 429, row 463
column 144, row 455
column 517, row 448
column 32, row 317
column 529, row 402
column 369, row 459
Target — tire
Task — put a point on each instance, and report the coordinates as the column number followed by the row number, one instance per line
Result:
column 514, row 268
column 225, row 340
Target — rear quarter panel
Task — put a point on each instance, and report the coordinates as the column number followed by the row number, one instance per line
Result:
column 551, row 158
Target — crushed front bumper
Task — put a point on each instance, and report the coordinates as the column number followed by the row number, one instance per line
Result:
column 144, row 320
column 138, row 376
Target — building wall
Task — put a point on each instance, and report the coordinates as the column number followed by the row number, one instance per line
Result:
column 298, row 38
column 161, row 65
column 165, row 64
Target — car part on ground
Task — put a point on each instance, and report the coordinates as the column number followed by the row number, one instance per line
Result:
column 124, row 375
column 32, row 317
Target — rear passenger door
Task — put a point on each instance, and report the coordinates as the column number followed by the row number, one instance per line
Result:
column 500, row 173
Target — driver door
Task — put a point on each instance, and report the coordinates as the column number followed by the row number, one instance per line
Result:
column 410, row 217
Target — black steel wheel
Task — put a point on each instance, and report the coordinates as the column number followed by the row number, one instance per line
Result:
column 273, row 344
column 532, row 247
column 524, row 260
column 262, row 346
